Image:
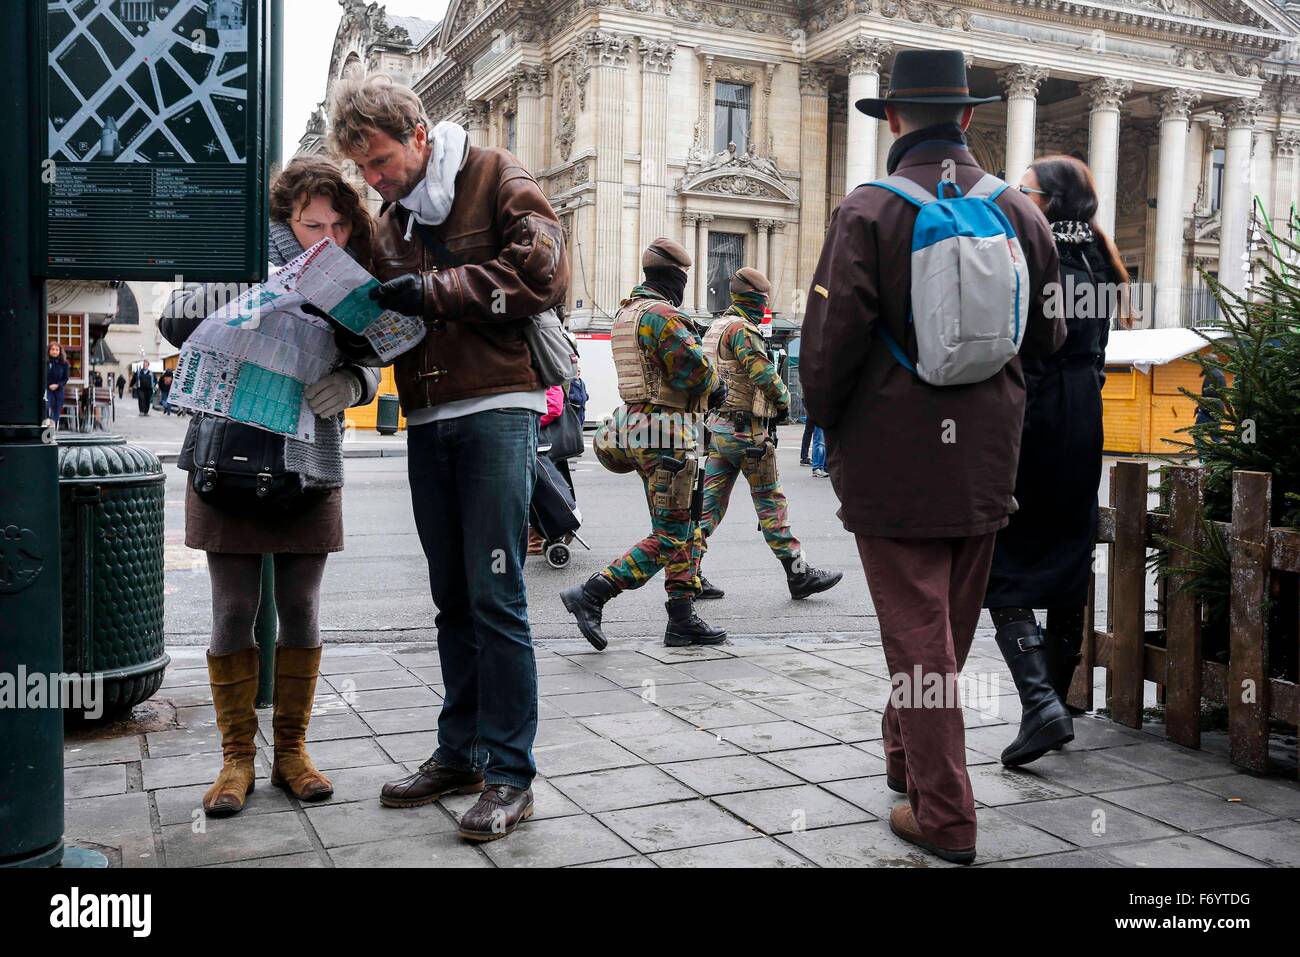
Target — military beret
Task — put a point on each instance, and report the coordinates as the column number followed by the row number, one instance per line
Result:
column 666, row 252
column 750, row 280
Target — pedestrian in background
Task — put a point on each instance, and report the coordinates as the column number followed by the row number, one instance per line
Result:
column 56, row 382
column 819, row 453
column 809, row 427
column 1044, row 555
column 310, row 199
column 121, row 387
column 924, row 473
column 164, row 390
column 142, row 387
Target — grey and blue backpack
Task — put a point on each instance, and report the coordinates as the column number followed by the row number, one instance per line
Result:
column 970, row 283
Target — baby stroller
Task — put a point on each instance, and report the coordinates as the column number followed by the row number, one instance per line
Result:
column 553, row 513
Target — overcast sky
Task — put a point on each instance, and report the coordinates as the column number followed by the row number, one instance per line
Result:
column 309, row 41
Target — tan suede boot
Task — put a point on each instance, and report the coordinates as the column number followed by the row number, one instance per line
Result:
column 234, row 695
column 296, row 670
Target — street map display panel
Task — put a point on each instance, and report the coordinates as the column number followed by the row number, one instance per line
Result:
column 153, row 122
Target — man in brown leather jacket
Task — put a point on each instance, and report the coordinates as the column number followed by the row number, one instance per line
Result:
column 467, row 241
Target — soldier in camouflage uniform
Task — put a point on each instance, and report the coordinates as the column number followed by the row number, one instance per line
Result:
column 742, row 432
column 666, row 382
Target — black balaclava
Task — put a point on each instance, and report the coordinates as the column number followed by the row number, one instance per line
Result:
column 668, row 281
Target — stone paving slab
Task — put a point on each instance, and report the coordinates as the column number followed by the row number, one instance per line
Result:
column 756, row 753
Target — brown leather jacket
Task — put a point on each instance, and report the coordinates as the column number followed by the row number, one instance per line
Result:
column 504, row 232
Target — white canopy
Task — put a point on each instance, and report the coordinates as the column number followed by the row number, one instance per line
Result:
column 1144, row 348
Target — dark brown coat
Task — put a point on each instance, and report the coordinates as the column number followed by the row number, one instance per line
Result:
column 907, row 459
column 504, row 232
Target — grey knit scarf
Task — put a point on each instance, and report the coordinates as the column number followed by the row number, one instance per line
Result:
column 320, row 463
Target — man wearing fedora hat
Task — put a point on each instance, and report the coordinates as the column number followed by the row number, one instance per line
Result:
column 924, row 473
column 741, row 430
column 666, row 381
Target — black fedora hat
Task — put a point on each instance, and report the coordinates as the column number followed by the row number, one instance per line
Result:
column 925, row 76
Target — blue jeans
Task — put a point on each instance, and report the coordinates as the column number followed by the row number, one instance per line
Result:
column 471, row 482
column 819, row 449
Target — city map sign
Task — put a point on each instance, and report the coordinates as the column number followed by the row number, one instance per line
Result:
column 154, row 159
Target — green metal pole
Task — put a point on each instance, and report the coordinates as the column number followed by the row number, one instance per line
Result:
column 31, row 730
column 265, row 626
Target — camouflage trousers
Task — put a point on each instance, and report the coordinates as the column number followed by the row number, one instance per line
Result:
column 673, row 544
column 731, row 455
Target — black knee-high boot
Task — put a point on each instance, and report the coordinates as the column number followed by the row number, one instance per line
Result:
column 1044, row 721
column 1064, row 630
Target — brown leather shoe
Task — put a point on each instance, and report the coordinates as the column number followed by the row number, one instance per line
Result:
column 428, row 784
column 903, row 823
column 500, row 809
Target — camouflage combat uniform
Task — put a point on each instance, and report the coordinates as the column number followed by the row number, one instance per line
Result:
column 740, row 441
column 664, row 379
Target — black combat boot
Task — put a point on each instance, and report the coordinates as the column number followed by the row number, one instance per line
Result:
column 709, row 590
column 586, row 602
column 804, row 580
column 687, row 628
column 1044, row 721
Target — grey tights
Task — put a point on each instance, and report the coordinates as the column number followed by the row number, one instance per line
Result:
column 237, row 592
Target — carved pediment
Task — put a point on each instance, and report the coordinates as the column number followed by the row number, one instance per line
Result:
column 737, row 174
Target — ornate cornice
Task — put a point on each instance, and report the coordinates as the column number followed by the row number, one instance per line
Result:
column 656, row 55
column 1107, row 93
column 864, row 54
column 814, row 81
column 1176, row 104
column 1243, row 112
column 1211, row 61
column 925, row 12
column 1022, row 80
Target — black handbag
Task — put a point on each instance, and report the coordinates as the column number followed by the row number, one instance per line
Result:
column 236, row 465
column 564, row 435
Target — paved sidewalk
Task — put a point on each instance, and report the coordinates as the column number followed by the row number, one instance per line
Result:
column 758, row 753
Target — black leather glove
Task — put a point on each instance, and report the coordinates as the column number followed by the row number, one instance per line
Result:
column 355, row 348
column 405, row 294
column 718, row 395
column 782, row 416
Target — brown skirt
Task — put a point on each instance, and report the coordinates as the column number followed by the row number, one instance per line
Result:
column 312, row 526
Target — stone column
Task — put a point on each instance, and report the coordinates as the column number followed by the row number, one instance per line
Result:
column 476, row 122
column 813, row 89
column 689, row 221
column 1103, row 144
column 776, row 263
column 836, row 182
column 606, row 59
column 656, row 65
column 1175, row 107
column 527, row 81
column 884, row 138
column 1287, row 149
column 701, row 266
column 762, row 227
column 1234, row 209
column 1021, row 83
column 863, row 55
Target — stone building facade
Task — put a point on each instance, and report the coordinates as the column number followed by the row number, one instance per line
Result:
column 729, row 125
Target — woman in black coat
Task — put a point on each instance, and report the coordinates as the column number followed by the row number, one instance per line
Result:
column 1044, row 555
column 56, row 381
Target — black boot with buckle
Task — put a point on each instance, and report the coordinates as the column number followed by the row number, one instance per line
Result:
column 687, row 628
column 709, row 590
column 1044, row 721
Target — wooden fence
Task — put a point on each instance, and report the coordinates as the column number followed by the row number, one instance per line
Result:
column 1124, row 648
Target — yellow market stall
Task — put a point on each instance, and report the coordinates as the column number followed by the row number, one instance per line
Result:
column 363, row 417
column 1142, row 407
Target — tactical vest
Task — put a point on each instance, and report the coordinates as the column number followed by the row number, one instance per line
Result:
column 640, row 378
column 742, row 394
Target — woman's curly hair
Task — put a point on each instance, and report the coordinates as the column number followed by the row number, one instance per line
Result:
column 306, row 177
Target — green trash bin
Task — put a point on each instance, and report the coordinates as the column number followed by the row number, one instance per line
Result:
column 111, row 499
column 386, row 416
